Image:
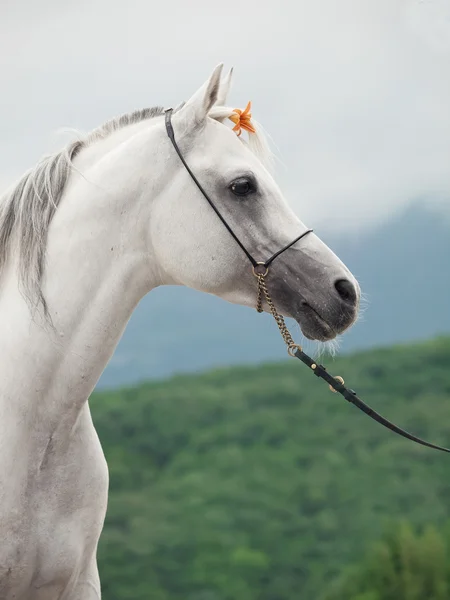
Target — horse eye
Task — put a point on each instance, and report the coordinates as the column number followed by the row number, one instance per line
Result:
column 242, row 187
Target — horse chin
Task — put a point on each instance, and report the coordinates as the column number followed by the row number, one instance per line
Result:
column 313, row 326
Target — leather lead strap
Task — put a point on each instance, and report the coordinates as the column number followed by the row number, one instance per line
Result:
column 350, row 396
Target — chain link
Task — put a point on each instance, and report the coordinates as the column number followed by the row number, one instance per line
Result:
column 264, row 294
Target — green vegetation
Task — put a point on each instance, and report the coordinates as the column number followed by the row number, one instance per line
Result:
column 404, row 565
column 259, row 484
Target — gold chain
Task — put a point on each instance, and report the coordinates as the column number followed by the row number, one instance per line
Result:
column 264, row 293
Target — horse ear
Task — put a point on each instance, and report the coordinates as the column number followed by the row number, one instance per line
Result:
column 224, row 89
column 197, row 108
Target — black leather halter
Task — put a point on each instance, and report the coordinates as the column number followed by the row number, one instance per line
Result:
column 254, row 262
column 336, row 383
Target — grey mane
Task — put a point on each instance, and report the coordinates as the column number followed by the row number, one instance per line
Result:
column 27, row 209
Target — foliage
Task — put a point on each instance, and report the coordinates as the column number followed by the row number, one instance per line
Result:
column 404, row 565
column 259, row 484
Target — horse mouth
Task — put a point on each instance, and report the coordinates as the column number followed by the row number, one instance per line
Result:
column 313, row 326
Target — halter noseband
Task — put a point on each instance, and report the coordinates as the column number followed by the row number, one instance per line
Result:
column 260, row 271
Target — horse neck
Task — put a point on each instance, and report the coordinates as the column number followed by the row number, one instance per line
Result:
column 98, row 266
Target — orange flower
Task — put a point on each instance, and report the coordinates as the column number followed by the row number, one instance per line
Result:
column 242, row 120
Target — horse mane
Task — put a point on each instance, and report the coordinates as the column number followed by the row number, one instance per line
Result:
column 27, row 209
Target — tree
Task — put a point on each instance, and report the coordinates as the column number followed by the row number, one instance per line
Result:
column 404, row 565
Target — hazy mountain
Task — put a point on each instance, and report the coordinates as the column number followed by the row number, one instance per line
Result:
column 403, row 267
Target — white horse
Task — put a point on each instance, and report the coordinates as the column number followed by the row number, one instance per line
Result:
column 83, row 237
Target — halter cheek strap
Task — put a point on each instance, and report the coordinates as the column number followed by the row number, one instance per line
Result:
column 171, row 134
column 254, row 262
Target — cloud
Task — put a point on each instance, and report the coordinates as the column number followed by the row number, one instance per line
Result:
column 356, row 95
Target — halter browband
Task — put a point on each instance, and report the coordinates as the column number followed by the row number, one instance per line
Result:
column 260, row 270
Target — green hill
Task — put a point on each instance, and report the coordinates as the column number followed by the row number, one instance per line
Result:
column 259, row 484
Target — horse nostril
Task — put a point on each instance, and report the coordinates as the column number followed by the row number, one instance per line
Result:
column 346, row 290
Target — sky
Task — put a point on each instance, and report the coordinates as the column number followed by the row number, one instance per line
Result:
column 354, row 93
